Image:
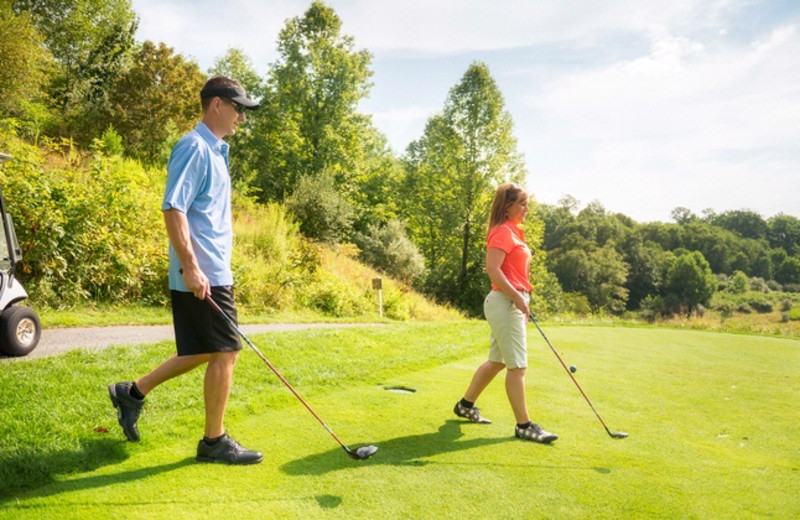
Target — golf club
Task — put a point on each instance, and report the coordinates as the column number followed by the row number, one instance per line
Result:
column 364, row 452
column 614, row 435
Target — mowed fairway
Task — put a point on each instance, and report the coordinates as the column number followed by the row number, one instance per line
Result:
column 712, row 419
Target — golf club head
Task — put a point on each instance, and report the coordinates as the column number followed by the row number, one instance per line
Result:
column 618, row 435
column 364, row 452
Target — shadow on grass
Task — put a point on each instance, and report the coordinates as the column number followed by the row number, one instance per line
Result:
column 27, row 473
column 401, row 451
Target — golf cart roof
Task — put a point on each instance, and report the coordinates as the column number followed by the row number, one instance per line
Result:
column 4, row 157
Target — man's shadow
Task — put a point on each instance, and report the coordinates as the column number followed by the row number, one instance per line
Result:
column 410, row 450
column 32, row 475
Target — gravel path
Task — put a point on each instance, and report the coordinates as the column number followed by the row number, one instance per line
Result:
column 57, row 341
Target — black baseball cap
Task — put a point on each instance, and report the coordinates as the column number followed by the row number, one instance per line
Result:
column 233, row 92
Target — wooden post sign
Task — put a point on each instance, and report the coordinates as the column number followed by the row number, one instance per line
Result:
column 377, row 284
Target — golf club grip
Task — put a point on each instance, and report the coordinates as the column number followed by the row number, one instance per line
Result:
column 271, row 367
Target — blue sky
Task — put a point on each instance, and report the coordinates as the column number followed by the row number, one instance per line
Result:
column 643, row 106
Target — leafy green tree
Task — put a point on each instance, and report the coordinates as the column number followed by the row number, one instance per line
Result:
column 682, row 215
column 647, row 267
column 788, row 271
column 690, row 282
column 91, row 42
column 784, row 232
column 310, row 122
column 244, row 150
column 24, row 63
column 600, row 273
column 156, row 100
column 748, row 224
column 452, row 172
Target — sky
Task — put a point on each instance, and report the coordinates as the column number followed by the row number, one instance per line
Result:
column 644, row 106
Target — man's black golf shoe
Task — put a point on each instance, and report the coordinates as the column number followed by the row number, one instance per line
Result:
column 128, row 408
column 227, row 451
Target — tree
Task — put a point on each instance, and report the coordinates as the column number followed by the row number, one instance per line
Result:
column 244, row 151
column 682, row 215
column 748, row 224
column 453, row 170
column 23, row 62
column 597, row 272
column 156, row 100
column 91, row 42
column 310, row 122
column 690, row 282
column 784, row 232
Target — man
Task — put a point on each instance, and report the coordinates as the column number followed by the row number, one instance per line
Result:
column 197, row 212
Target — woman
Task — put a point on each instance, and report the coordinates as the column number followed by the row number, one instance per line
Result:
column 506, row 309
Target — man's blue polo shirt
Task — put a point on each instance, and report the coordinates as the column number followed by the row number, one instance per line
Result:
column 198, row 185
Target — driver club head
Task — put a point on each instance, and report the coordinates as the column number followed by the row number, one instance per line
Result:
column 618, row 435
column 364, row 452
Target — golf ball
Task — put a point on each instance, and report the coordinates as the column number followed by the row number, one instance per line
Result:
column 573, row 369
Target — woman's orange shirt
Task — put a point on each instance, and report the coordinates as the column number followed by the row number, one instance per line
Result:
column 511, row 240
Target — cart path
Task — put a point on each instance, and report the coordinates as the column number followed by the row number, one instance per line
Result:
column 58, row 341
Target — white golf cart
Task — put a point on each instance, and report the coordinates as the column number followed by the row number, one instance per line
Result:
column 20, row 327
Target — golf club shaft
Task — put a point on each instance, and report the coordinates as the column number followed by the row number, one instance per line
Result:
column 275, row 370
column 570, row 375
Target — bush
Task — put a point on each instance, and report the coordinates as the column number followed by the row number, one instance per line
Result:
column 88, row 227
column 322, row 212
column 761, row 306
column 577, row 303
column 774, row 286
column 652, row 306
column 388, row 249
column 794, row 314
column 739, row 283
column 758, row 285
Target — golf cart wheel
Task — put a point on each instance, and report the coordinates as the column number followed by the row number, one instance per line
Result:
column 20, row 330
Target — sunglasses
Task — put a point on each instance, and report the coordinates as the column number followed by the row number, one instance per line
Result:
column 236, row 106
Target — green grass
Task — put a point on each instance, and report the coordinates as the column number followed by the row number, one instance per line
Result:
column 711, row 416
column 102, row 315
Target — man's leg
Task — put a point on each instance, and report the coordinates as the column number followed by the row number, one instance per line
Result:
column 173, row 367
column 128, row 397
column 217, row 388
column 216, row 445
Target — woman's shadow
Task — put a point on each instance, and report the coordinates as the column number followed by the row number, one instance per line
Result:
column 410, row 450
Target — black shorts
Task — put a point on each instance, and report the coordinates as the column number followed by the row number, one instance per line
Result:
column 199, row 329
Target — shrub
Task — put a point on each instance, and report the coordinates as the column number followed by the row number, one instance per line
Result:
column 577, row 303
column 758, row 285
column 794, row 314
column 387, row 248
column 774, row 286
column 322, row 212
column 739, row 283
column 786, row 304
column 88, row 227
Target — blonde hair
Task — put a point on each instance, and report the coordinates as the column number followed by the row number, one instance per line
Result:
column 507, row 194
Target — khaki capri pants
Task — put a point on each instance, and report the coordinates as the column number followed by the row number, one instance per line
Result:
column 507, row 343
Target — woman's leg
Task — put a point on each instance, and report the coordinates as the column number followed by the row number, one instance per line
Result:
column 481, row 379
column 515, row 389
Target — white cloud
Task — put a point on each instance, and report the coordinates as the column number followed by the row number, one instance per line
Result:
column 687, row 124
